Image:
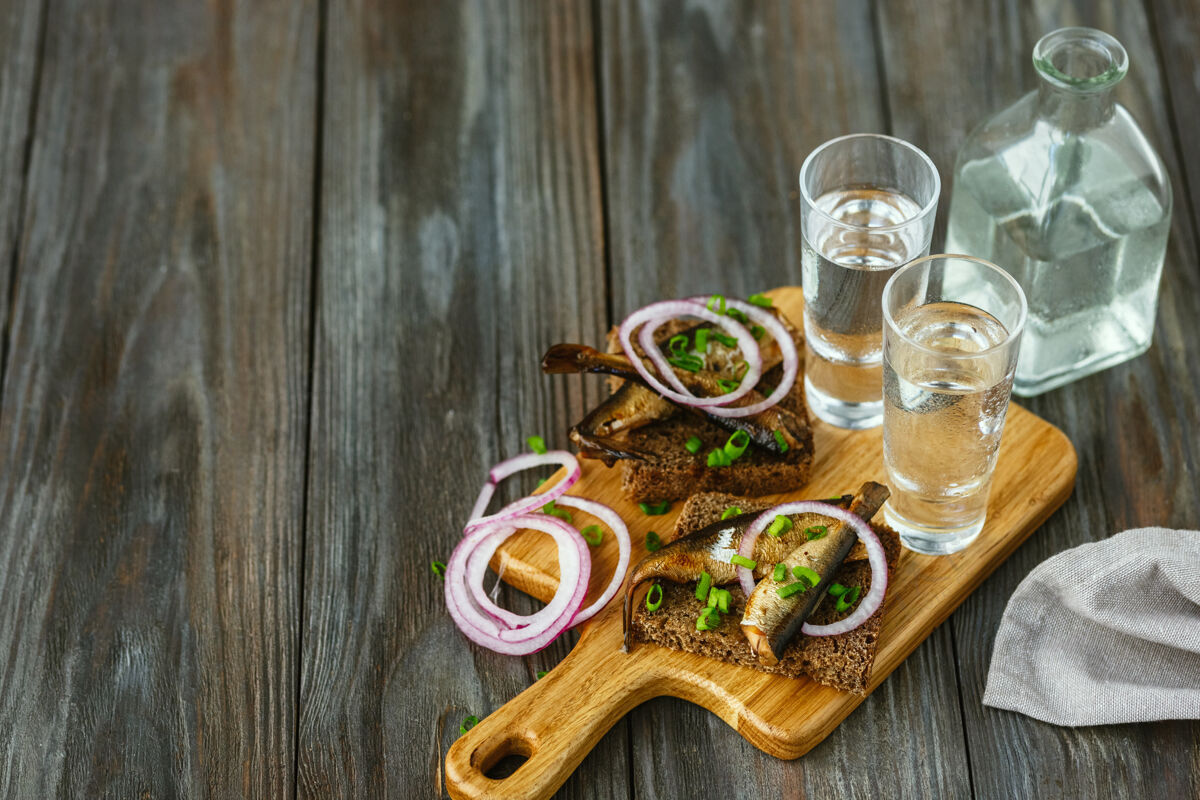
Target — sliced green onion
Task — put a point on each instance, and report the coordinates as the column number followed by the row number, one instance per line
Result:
column 779, row 440
column 677, row 344
column 703, row 585
column 738, row 315
column 594, row 534
column 723, row 598
column 537, row 444
column 780, row 572
column 780, row 525
column 728, row 385
column 694, row 444
column 709, row 619
column 438, row 568
column 758, row 331
column 687, row 362
column 654, row 509
column 806, row 574
column 717, row 458
column 714, row 594
column 837, row 590
column 653, row 605
column 543, row 480
column 834, row 500
column 467, row 724
column 732, row 511
column 653, row 541
column 737, row 444
column 742, row 561
column 742, row 370
column 815, row 531
column 847, row 600
column 728, row 341
column 701, row 345
column 791, row 589
column 541, row 673
column 561, row 513
column 714, row 301
column 760, row 300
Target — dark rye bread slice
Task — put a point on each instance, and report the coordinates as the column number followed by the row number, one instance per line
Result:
column 843, row 662
column 674, row 473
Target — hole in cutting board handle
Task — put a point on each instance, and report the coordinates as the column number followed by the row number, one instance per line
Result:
column 500, row 761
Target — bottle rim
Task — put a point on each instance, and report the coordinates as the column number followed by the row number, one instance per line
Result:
column 1105, row 56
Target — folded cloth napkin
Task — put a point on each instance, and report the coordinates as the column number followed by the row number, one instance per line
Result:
column 1103, row 633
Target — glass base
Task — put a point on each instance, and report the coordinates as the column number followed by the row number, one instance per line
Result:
column 841, row 414
column 930, row 541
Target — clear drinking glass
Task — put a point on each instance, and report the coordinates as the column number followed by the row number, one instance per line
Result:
column 867, row 206
column 952, row 331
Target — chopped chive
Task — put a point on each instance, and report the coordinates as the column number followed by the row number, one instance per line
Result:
column 732, row 511
column 541, row 673
column 467, row 724
column 653, row 541
column 837, row 590
column 714, row 301
column 780, row 572
column 736, row 445
column 677, row 344
column 742, row 370
column 815, row 531
column 780, row 525
column 653, row 605
column 791, row 589
column 703, row 585
column 847, row 600
column 724, row 339
column 779, row 440
column 757, row 331
column 537, row 444
column 701, row 345
column 723, row 599
column 714, row 594
column 718, row 458
column 834, row 500
column 709, row 619
column 654, row 509
column 438, row 568
column 543, row 480
column 728, row 385
column 738, row 315
column 742, row 561
column 561, row 513
column 760, row 300
column 806, row 574
column 686, row 362
column 594, row 534
column 693, row 444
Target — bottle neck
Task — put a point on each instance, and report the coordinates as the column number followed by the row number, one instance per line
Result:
column 1071, row 110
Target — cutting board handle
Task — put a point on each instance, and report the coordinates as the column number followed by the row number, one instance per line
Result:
column 554, row 723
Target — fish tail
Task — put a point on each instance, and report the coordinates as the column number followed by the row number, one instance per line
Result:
column 566, row 358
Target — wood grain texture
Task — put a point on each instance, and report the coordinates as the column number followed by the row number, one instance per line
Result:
column 555, row 722
column 1134, row 426
column 709, row 111
column 155, row 405
column 460, row 234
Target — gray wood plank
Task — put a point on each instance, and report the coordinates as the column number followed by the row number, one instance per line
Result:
column 709, row 112
column 460, row 234
column 155, row 404
column 1134, row 426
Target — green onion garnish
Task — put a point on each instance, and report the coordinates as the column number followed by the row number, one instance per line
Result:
column 728, row 341
column 723, row 598
column 728, row 385
column 694, row 444
column 703, row 585
column 791, row 589
column 806, row 574
column 653, row 605
column 847, row 600
column 837, row 590
column 438, row 568
column 654, row 509
column 708, row 620
column 780, row 572
column 467, row 724
column 779, row 440
column 833, row 500
column 742, row 370
column 687, row 362
column 815, row 531
column 760, row 300
column 732, row 511
column 701, row 341
column 537, row 444
column 737, row 444
column 594, row 534
column 780, row 525
column 540, row 482
column 653, row 541
column 717, row 458
column 738, row 315
column 561, row 513
column 742, row 561
column 757, row 331
column 541, row 673
column 714, row 301
column 677, row 344
column 714, row 594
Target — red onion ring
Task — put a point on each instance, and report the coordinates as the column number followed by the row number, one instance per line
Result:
column 574, row 568
column 532, row 502
column 876, row 557
column 624, row 545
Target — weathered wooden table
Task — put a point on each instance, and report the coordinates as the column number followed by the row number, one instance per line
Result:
column 280, row 275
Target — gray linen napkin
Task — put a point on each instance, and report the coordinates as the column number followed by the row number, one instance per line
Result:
column 1103, row 633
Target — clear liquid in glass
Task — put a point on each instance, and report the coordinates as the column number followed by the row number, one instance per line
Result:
column 844, row 272
column 943, row 420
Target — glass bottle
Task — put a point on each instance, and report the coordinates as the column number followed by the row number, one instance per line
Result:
column 1063, row 190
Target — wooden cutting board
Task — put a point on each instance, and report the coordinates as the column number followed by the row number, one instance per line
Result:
column 557, row 720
